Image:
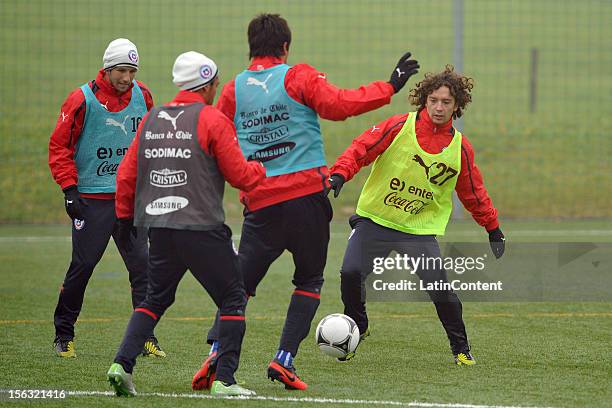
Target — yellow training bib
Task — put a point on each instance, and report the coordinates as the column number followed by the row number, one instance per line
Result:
column 409, row 189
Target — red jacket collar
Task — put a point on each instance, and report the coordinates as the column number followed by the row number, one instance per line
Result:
column 430, row 127
column 106, row 87
column 259, row 63
column 187, row 97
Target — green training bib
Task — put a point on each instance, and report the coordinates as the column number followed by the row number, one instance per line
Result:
column 410, row 190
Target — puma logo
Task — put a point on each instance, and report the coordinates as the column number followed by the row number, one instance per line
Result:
column 113, row 122
column 418, row 159
column 166, row 115
column 257, row 82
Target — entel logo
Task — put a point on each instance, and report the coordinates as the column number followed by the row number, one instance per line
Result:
column 166, row 205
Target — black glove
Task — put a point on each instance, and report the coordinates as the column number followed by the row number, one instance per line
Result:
column 125, row 231
column 498, row 242
column 335, row 183
column 404, row 69
column 73, row 203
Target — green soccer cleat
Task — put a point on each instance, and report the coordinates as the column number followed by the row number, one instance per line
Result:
column 352, row 353
column 64, row 348
column 464, row 358
column 121, row 381
column 220, row 389
column 151, row 348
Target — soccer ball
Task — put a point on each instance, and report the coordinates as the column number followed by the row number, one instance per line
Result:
column 337, row 335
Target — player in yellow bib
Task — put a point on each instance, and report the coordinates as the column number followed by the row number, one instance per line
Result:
column 419, row 159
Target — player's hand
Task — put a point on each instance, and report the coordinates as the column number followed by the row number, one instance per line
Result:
column 498, row 242
column 126, row 233
column 404, row 69
column 73, row 203
column 336, row 181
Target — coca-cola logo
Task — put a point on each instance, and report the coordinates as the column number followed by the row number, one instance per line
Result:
column 107, row 169
column 410, row 206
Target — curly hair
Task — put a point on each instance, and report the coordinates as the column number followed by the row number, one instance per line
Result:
column 460, row 87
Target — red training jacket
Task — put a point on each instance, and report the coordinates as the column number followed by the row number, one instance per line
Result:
column 217, row 137
column 374, row 141
column 70, row 124
column 309, row 87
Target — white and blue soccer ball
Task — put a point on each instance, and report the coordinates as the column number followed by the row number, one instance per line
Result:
column 337, row 335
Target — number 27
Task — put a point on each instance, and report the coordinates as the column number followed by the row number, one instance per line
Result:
column 444, row 169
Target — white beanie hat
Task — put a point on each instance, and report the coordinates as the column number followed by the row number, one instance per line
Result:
column 193, row 70
column 120, row 52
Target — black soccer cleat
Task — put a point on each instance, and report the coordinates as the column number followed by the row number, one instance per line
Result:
column 464, row 358
column 151, row 348
column 350, row 355
column 64, row 348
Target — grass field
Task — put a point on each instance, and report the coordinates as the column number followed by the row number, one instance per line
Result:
column 554, row 162
column 529, row 354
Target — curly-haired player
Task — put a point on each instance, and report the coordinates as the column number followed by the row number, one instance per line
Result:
column 419, row 159
column 458, row 85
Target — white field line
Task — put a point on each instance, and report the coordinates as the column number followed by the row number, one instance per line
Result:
column 307, row 400
column 387, row 316
column 511, row 233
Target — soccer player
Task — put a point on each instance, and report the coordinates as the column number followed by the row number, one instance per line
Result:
column 172, row 181
column 414, row 153
column 96, row 125
column 275, row 108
